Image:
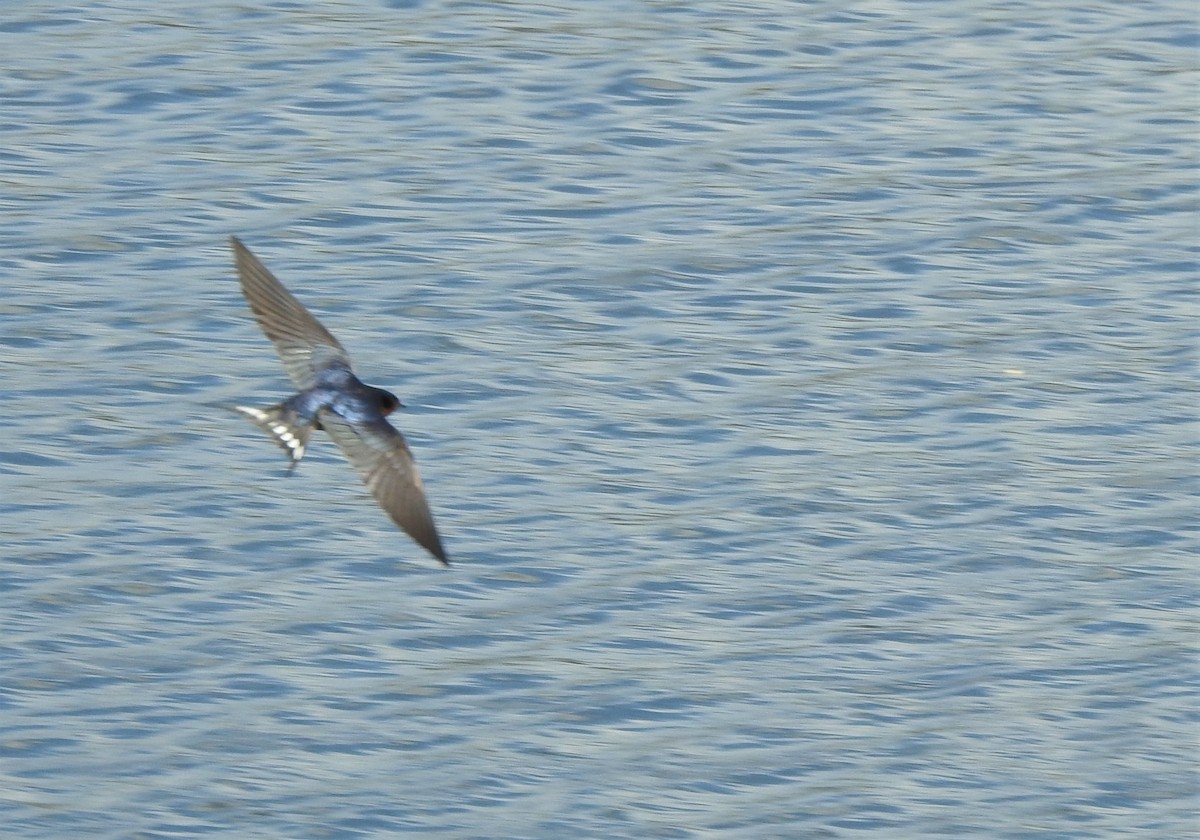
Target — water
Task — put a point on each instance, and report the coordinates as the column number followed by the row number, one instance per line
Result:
column 806, row 393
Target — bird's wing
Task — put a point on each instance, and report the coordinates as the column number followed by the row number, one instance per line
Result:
column 381, row 457
column 304, row 346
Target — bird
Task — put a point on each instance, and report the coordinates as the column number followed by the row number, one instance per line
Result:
column 333, row 399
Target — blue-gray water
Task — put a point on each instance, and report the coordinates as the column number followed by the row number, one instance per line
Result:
column 805, row 391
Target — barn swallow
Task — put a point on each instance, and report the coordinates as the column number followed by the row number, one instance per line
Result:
column 332, row 398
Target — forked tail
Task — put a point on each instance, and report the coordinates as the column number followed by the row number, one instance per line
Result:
column 284, row 427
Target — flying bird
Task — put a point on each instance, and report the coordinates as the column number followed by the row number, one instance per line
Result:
column 332, row 398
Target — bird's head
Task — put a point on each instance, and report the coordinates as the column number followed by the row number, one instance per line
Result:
column 388, row 401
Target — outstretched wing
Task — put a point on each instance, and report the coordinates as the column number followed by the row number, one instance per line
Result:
column 381, row 457
column 304, row 346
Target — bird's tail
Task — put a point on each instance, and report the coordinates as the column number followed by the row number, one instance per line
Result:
column 283, row 425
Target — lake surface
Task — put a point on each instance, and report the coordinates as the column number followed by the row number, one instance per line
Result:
column 806, row 393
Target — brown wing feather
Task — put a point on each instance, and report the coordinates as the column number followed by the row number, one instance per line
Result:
column 382, row 459
column 303, row 344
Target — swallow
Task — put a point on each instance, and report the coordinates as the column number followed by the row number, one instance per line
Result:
column 333, row 399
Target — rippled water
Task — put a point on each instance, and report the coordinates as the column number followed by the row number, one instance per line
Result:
column 806, row 393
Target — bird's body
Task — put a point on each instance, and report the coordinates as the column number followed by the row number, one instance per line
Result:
column 333, row 399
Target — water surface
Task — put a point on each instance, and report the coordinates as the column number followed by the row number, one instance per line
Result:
column 806, row 393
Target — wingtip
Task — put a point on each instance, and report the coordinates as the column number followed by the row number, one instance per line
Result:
column 437, row 551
